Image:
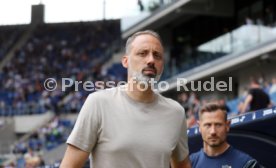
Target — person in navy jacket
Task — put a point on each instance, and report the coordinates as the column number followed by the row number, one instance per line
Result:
column 216, row 151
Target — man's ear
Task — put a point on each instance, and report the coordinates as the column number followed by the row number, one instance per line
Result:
column 228, row 123
column 199, row 127
column 125, row 61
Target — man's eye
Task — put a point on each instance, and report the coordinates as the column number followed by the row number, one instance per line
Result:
column 158, row 56
column 218, row 125
column 141, row 53
column 207, row 125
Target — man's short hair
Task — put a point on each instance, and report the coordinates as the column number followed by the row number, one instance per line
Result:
column 254, row 80
column 145, row 32
column 212, row 107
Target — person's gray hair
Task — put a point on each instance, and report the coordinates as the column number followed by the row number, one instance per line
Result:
column 145, row 32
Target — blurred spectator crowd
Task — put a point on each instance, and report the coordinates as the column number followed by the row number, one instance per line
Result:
column 68, row 50
column 262, row 93
column 8, row 36
column 29, row 150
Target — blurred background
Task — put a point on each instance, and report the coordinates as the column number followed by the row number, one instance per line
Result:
column 231, row 40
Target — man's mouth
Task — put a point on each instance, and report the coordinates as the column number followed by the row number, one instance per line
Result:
column 149, row 71
column 213, row 138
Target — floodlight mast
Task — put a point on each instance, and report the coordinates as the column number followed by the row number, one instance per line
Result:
column 104, row 6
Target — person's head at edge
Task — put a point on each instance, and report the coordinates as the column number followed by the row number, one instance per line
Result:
column 144, row 58
column 214, row 126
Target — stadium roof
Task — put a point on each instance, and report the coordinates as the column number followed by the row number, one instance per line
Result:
column 183, row 9
column 66, row 11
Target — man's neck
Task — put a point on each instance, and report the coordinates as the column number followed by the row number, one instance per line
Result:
column 139, row 93
column 215, row 151
column 255, row 86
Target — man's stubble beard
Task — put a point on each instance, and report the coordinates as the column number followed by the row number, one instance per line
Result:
column 142, row 78
column 220, row 143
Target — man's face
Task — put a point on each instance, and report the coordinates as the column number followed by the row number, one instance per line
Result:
column 145, row 58
column 214, row 128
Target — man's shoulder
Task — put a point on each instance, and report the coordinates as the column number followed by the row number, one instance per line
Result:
column 194, row 157
column 104, row 93
column 256, row 91
column 241, row 154
column 249, row 162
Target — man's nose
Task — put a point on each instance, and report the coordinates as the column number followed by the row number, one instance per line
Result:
column 213, row 130
column 150, row 59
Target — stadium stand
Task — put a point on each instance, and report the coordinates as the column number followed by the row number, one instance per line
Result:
column 8, row 36
column 66, row 50
column 44, row 139
column 47, row 137
column 43, row 56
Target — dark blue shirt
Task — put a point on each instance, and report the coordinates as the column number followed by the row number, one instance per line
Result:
column 231, row 158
